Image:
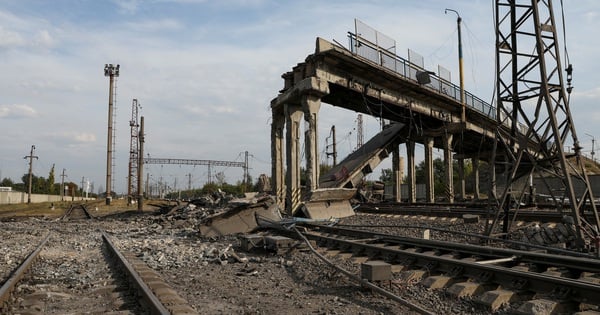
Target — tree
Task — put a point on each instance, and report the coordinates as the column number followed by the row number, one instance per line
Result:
column 439, row 177
column 387, row 176
column 7, row 182
column 51, row 186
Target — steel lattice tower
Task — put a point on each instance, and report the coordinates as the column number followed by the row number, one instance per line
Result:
column 132, row 191
column 533, row 113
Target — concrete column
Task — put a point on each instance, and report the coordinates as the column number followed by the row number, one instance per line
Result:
column 448, row 170
column 429, row 183
column 475, row 163
column 277, row 176
column 411, row 176
column 292, row 156
column 397, row 169
column 461, row 178
column 311, row 105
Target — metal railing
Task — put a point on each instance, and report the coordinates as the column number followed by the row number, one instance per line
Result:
column 406, row 69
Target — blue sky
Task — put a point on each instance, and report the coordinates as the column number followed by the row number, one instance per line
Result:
column 206, row 71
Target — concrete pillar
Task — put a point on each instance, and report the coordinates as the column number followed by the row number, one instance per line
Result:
column 449, row 169
column 397, row 170
column 292, row 156
column 277, row 176
column 311, row 105
column 429, row 182
column 461, row 178
column 411, row 176
column 475, row 163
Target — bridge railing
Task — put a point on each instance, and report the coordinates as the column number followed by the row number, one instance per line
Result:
column 405, row 68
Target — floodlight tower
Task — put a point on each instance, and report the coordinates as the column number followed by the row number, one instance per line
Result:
column 112, row 72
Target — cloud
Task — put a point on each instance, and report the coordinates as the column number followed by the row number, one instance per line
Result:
column 127, row 6
column 44, row 39
column 156, row 25
column 85, row 137
column 10, row 39
column 17, row 111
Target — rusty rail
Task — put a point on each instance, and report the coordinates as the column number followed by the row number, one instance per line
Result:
column 153, row 304
column 9, row 286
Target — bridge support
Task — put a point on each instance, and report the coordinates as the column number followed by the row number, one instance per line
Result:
column 448, row 170
column 311, row 105
column 461, row 178
column 397, row 168
column 277, row 176
column 411, row 178
column 475, row 163
column 292, row 156
column 429, row 182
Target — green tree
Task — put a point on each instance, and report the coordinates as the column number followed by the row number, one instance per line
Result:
column 51, row 179
column 7, row 182
column 387, row 176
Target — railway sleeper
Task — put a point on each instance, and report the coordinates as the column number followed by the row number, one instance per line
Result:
column 495, row 299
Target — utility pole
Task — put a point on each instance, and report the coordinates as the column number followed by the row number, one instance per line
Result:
column 82, row 180
column 30, row 157
column 334, row 150
column 189, row 175
column 245, row 171
column 593, row 141
column 148, row 194
column 62, row 185
column 463, row 114
column 111, row 72
column 140, row 175
column 359, row 131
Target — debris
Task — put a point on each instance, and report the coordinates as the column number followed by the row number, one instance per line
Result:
column 241, row 219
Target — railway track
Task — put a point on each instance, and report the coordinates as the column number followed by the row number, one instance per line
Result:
column 79, row 211
column 459, row 210
column 66, row 276
column 491, row 276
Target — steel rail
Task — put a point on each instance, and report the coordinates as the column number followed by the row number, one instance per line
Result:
column 456, row 212
column 154, row 305
column 578, row 290
column 413, row 306
column 576, row 260
column 16, row 276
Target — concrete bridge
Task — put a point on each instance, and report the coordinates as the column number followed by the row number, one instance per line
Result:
column 386, row 86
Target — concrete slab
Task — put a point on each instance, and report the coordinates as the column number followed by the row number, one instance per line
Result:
column 242, row 220
column 328, row 209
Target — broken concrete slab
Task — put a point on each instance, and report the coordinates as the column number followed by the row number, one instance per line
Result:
column 328, row 209
column 240, row 219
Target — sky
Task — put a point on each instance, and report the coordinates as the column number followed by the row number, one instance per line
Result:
column 205, row 72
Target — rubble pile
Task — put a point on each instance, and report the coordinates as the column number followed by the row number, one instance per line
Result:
column 171, row 253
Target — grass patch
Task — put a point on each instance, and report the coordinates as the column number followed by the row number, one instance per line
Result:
column 44, row 209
